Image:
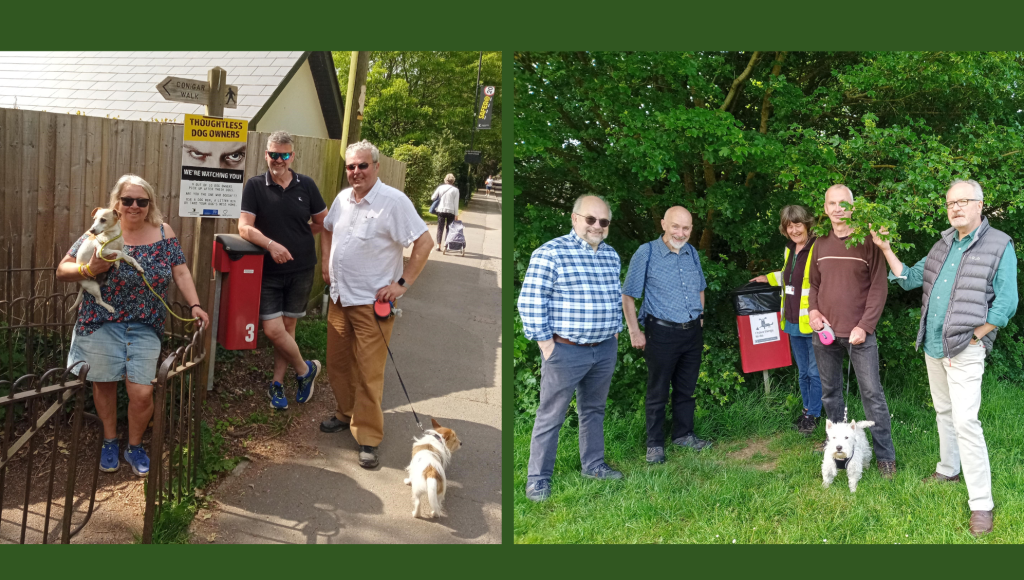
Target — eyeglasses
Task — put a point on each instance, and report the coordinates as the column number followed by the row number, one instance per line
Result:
column 128, row 201
column 283, row 156
column 591, row 220
column 362, row 165
column 959, row 202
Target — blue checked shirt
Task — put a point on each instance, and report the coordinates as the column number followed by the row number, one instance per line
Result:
column 674, row 282
column 572, row 291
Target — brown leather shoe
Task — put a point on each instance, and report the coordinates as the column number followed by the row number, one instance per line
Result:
column 981, row 522
column 887, row 469
column 943, row 478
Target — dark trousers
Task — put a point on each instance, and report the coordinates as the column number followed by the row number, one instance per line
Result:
column 443, row 221
column 673, row 357
column 831, row 369
column 584, row 371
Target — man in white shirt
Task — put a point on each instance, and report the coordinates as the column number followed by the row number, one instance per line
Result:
column 361, row 245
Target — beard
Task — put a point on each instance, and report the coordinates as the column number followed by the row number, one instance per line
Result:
column 593, row 237
column 959, row 221
column 677, row 244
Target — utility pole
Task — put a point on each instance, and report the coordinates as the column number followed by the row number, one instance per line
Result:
column 355, row 100
column 472, row 136
column 202, row 256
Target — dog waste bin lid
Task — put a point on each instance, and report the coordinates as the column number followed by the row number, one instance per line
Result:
column 236, row 246
column 756, row 298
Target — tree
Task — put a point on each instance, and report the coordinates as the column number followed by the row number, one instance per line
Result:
column 416, row 99
column 734, row 136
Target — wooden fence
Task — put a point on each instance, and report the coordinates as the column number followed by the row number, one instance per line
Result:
column 54, row 168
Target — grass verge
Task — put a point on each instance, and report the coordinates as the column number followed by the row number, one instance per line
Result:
column 761, row 482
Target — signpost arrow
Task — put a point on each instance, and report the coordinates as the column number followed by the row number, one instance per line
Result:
column 193, row 91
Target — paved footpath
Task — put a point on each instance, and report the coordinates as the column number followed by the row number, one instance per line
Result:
column 448, row 348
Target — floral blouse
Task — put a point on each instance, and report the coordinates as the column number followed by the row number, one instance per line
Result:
column 126, row 291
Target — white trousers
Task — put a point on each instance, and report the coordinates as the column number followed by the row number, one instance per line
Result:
column 956, row 393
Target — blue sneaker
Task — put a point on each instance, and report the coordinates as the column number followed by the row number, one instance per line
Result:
column 108, row 457
column 277, row 398
column 136, row 457
column 306, row 383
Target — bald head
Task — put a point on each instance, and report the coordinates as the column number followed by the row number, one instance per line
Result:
column 678, row 225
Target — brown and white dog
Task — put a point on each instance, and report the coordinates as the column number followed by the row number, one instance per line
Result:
column 105, row 227
column 430, row 455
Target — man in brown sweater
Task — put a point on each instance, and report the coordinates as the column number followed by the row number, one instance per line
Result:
column 848, row 288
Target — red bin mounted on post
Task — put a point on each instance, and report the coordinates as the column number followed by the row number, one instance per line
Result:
column 763, row 344
column 239, row 267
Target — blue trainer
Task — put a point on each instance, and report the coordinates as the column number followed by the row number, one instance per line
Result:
column 108, row 456
column 307, row 382
column 277, row 398
column 136, row 457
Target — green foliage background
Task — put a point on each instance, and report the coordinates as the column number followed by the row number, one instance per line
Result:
column 420, row 109
column 734, row 137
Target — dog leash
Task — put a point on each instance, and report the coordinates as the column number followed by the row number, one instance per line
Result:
column 415, row 416
column 111, row 261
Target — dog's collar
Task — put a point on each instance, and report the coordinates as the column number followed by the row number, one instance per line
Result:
column 435, row 435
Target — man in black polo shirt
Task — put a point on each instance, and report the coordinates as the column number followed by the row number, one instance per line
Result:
column 276, row 210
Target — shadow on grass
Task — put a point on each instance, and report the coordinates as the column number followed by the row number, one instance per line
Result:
column 761, row 481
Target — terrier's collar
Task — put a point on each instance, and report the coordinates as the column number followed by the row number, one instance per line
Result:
column 435, row 435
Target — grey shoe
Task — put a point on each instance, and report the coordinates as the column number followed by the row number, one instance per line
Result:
column 538, row 491
column 602, row 471
column 692, row 442
column 655, row 455
column 368, row 457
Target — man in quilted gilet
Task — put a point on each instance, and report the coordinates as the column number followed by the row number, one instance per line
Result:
column 970, row 291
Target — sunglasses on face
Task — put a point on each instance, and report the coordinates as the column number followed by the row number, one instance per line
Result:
column 591, row 220
column 353, row 167
column 283, row 156
column 128, row 201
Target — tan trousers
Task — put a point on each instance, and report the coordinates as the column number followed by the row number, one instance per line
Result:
column 356, row 354
column 956, row 394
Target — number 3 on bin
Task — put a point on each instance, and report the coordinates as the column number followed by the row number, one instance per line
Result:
column 250, row 332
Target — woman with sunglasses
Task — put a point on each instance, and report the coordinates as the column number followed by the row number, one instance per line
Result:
column 124, row 345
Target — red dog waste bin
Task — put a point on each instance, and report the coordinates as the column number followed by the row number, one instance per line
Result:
column 763, row 344
column 240, row 266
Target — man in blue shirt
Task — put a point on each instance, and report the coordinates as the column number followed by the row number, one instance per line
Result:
column 973, row 267
column 570, row 304
column 667, row 273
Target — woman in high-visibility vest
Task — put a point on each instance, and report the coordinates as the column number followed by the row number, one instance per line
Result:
column 795, row 278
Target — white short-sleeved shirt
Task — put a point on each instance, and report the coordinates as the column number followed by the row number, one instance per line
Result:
column 367, row 241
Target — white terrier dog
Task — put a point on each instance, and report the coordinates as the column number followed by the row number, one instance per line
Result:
column 848, row 444
column 105, row 227
column 430, row 455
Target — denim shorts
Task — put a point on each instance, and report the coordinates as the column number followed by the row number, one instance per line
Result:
column 285, row 294
column 118, row 351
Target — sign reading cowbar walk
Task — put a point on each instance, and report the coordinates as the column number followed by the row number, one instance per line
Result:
column 212, row 167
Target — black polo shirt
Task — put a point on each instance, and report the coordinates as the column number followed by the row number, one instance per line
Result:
column 282, row 216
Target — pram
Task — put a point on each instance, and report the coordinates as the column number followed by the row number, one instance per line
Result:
column 456, row 240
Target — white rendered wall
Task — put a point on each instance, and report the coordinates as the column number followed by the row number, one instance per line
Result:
column 297, row 108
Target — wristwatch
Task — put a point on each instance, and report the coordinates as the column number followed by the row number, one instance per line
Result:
column 401, row 282
column 977, row 338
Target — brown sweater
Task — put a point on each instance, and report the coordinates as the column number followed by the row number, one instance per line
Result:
column 848, row 286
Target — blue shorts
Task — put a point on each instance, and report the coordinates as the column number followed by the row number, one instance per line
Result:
column 118, row 351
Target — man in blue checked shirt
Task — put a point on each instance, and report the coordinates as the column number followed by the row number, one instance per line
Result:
column 667, row 273
column 970, row 291
column 570, row 304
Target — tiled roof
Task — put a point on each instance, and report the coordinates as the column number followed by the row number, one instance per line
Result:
column 123, row 84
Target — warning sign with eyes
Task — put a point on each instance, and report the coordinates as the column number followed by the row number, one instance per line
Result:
column 212, row 166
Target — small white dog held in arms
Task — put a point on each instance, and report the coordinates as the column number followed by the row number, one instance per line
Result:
column 848, row 444
column 430, row 455
column 105, row 227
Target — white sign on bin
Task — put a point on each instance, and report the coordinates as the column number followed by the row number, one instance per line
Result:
column 764, row 327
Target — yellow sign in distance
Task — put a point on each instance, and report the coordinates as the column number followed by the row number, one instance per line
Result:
column 202, row 128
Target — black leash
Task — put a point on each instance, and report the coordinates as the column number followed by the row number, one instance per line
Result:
column 418, row 424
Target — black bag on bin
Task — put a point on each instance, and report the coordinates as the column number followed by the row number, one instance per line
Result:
column 757, row 298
